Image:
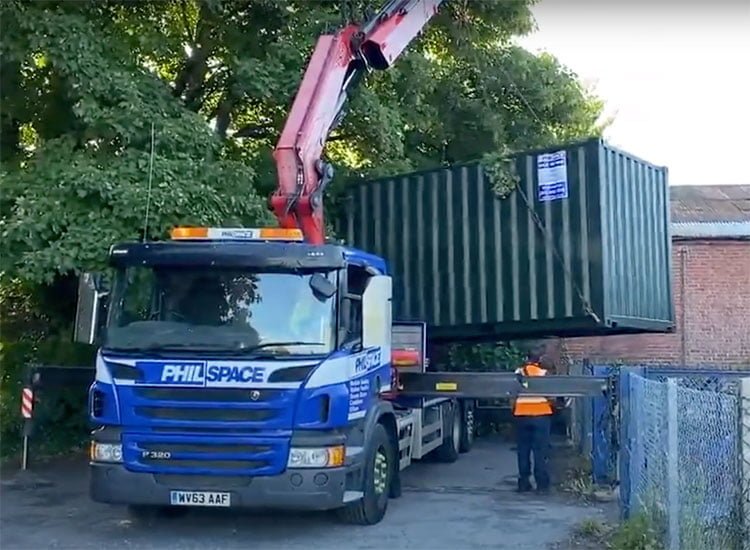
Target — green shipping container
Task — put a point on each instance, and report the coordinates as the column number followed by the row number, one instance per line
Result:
column 582, row 246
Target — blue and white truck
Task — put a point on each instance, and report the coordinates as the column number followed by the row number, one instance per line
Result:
column 245, row 368
column 254, row 368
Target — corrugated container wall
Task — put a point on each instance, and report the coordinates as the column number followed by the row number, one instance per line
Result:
column 581, row 247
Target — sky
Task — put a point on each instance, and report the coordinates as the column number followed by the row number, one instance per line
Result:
column 675, row 74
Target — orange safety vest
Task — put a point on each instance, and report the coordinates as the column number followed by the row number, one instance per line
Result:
column 532, row 405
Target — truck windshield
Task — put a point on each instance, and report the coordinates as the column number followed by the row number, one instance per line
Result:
column 214, row 309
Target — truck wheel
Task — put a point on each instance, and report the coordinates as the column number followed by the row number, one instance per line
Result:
column 449, row 450
column 467, row 431
column 378, row 474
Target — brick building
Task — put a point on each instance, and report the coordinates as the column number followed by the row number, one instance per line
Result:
column 710, row 284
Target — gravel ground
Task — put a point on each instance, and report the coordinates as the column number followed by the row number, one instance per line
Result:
column 469, row 504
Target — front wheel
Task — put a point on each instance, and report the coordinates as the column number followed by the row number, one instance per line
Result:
column 378, row 476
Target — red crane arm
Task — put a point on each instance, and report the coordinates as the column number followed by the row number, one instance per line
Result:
column 336, row 66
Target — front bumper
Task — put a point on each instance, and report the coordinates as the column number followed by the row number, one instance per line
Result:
column 304, row 489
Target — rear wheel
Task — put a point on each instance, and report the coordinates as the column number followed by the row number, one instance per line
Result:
column 467, row 428
column 378, row 475
column 449, row 450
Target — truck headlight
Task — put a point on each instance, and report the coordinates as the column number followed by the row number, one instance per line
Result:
column 316, row 457
column 105, row 452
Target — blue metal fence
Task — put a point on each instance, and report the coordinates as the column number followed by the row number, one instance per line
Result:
column 628, row 407
column 692, row 408
column 606, row 424
column 685, row 471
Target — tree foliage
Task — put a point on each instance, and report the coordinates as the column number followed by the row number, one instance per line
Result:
column 90, row 86
column 110, row 108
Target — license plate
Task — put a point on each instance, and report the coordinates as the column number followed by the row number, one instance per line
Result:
column 199, row 498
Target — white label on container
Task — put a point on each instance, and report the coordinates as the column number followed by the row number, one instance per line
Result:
column 552, row 174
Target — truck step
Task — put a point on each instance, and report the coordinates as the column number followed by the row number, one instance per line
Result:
column 351, row 496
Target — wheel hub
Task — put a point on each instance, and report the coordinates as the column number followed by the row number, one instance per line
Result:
column 456, row 432
column 380, row 476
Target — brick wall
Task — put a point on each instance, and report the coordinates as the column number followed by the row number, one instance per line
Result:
column 713, row 327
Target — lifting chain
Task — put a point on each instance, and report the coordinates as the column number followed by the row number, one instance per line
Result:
column 613, row 394
column 349, row 12
column 346, row 10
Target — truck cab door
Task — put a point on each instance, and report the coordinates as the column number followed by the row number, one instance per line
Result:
column 376, row 312
column 91, row 308
column 365, row 318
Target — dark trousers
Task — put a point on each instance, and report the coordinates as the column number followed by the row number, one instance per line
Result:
column 533, row 436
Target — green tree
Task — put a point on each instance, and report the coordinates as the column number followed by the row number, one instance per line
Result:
column 84, row 84
column 86, row 114
column 107, row 106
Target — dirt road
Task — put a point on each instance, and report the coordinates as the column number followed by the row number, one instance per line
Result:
column 469, row 504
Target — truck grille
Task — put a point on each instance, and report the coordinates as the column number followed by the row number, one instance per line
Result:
column 206, row 395
column 161, row 447
column 204, row 464
column 204, row 455
column 216, row 410
column 218, row 414
column 203, row 432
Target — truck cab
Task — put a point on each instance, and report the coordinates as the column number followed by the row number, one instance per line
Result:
column 244, row 367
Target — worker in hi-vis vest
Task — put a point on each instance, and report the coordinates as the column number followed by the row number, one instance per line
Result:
column 533, row 419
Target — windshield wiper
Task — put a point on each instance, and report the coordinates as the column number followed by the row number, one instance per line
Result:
column 267, row 345
column 133, row 352
column 159, row 349
column 221, row 349
column 295, row 343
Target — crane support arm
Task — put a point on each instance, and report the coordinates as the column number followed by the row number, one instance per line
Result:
column 337, row 64
column 496, row 385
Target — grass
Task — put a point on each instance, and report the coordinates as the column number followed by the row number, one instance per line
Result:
column 636, row 533
column 592, row 529
column 577, row 478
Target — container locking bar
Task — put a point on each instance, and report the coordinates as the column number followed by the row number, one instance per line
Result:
column 492, row 385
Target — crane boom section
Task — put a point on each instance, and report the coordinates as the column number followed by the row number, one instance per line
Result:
column 335, row 67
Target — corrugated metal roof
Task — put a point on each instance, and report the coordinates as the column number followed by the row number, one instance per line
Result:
column 710, row 203
column 708, row 230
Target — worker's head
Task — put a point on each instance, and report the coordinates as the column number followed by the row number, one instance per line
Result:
column 205, row 303
column 534, row 356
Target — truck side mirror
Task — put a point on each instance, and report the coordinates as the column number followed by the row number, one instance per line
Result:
column 376, row 312
column 91, row 307
column 322, row 286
